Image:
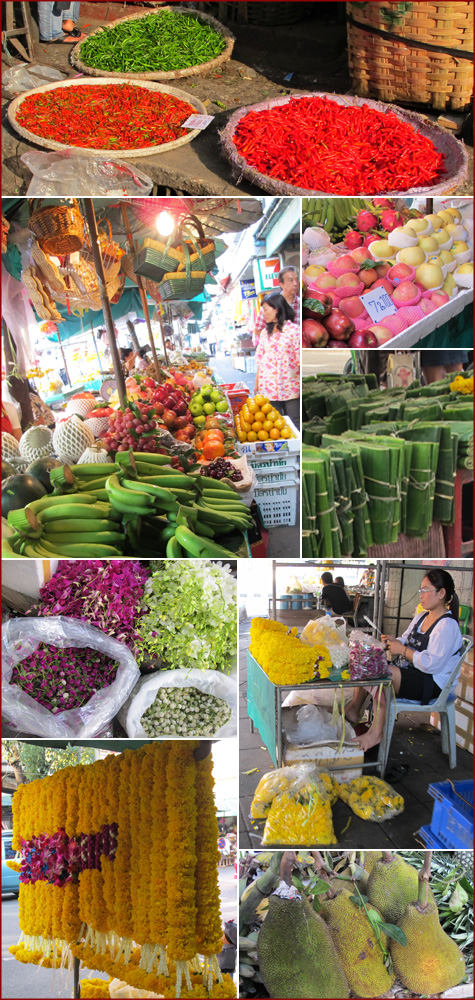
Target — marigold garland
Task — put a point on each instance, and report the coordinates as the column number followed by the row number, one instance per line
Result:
column 100, row 877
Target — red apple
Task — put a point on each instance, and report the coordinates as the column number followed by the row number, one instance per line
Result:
column 323, row 304
column 159, row 408
column 382, row 270
column 367, row 276
column 439, row 298
column 338, row 325
column 337, row 343
column 363, row 338
column 401, row 271
column 405, row 292
column 314, row 334
column 169, row 418
column 381, row 333
column 347, row 280
column 352, row 306
column 360, row 254
column 427, row 306
column 384, row 283
column 181, row 422
column 325, row 281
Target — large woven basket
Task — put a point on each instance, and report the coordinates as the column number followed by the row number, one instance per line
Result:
column 155, row 259
column 111, row 154
column 413, row 53
column 59, row 229
column 182, row 286
column 201, row 68
column 456, row 159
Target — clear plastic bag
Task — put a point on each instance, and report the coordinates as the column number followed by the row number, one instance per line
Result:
column 18, row 79
column 329, row 632
column 22, row 636
column 56, row 174
column 372, row 798
column 119, row 989
column 300, row 814
column 367, row 657
column 208, row 681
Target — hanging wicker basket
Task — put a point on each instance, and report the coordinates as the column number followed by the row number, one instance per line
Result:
column 456, row 158
column 59, row 229
column 412, row 53
column 201, row 69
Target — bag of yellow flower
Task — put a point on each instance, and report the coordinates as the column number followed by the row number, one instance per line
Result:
column 371, row 798
column 119, row 989
column 270, row 785
column 302, row 815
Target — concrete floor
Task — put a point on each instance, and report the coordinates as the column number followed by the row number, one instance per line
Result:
column 414, row 742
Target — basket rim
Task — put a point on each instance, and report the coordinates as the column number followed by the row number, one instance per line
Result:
column 283, row 187
column 221, row 29
column 109, row 154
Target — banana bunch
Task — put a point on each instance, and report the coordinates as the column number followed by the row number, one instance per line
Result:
column 76, row 525
column 334, row 214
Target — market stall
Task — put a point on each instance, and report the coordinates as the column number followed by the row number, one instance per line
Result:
column 151, row 448
column 384, row 468
column 387, row 271
column 85, row 652
column 244, row 89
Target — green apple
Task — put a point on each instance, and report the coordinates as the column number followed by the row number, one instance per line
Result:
column 209, row 408
column 222, row 407
column 199, row 421
column 196, row 408
column 216, row 396
column 206, row 390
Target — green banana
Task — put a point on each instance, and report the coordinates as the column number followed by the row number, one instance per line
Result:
column 100, row 495
column 217, row 504
column 174, row 549
column 151, row 457
column 93, row 484
column 167, row 481
column 147, row 469
column 89, row 550
column 69, row 525
column 148, row 489
column 103, row 537
column 205, row 529
column 89, row 512
column 121, row 495
column 210, row 516
column 49, row 501
column 8, row 552
column 217, row 484
column 198, row 546
column 92, row 469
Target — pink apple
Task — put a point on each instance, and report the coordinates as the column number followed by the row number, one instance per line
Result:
column 352, row 306
column 384, row 283
column 363, row 338
column 337, row 343
column 325, row 280
column 427, row 306
column 401, row 271
column 360, row 254
column 439, row 298
column 405, row 292
column 367, row 276
column 347, row 280
column 381, row 333
column 382, row 270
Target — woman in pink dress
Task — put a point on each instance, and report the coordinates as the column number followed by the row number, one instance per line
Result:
column 278, row 358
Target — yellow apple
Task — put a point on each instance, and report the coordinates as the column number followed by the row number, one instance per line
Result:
column 445, row 216
column 447, row 257
column 412, row 256
column 428, row 244
column 454, row 212
column 429, row 275
column 466, row 268
column 435, row 258
column 434, row 219
column 459, row 247
column 313, row 270
column 381, row 249
column 420, row 225
column 442, row 236
column 410, row 231
column 450, row 285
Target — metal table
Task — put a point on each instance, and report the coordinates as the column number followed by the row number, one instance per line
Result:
column 264, row 707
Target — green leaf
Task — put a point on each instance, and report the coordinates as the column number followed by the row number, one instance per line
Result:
column 375, row 917
column 315, row 305
column 357, row 901
column 296, row 881
column 318, row 885
column 394, row 932
column 317, row 904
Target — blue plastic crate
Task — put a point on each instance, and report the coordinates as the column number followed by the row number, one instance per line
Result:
column 425, row 833
column 452, row 816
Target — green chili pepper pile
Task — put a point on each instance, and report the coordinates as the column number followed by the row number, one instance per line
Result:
column 160, row 42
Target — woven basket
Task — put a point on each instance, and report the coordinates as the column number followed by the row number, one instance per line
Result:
column 421, row 55
column 200, row 69
column 182, row 286
column 119, row 154
column 155, row 259
column 456, row 159
column 59, row 229
column 204, row 258
column 111, row 252
column 151, row 287
column 272, row 14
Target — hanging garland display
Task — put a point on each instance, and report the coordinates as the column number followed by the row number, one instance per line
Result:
column 118, row 867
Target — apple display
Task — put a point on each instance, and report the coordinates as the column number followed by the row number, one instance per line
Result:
column 428, row 244
column 400, row 272
column 442, row 236
column 314, row 334
column 339, row 326
column 360, row 254
column 406, row 292
column 367, row 276
column 348, row 280
column 381, row 248
column 352, row 306
column 381, row 333
column 450, row 285
column 384, row 283
column 362, row 339
column 430, row 275
column 412, row 256
column 439, row 298
column 427, row 306
column 459, row 247
column 325, row 280
column 445, row 216
column 420, row 226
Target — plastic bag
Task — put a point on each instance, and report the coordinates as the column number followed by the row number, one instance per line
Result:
column 325, row 697
column 301, row 815
column 372, row 798
column 119, row 989
column 367, row 657
column 208, row 681
column 21, row 78
column 309, row 725
column 22, row 636
column 56, row 174
column 329, row 632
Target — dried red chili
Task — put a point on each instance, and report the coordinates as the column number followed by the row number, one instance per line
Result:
column 99, row 117
column 317, row 144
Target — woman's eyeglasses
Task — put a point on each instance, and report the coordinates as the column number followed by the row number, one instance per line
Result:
column 427, row 590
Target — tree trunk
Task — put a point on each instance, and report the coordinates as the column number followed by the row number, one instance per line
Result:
column 17, row 384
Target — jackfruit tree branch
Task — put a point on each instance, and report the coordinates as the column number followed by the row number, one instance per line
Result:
column 262, row 887
column 286, row 866
column 424, row 876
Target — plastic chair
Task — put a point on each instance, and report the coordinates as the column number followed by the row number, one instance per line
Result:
column 353, row 614
column 464, row 615
column 444, row 705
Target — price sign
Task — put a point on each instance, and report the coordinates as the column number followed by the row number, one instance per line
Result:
column 378, row 304
column 198, row 121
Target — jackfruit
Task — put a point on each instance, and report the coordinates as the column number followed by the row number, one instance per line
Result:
column 370, row 859
column 357, row 945
column 430, row 962
column 391, row 886
column 297, row 957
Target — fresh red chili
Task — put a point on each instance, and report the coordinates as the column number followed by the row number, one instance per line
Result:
column 99, row 117
column 317, row 144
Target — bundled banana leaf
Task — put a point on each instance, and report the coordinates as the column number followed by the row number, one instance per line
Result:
column 341, row 472
column 319, row 518
column 460, row 410
column 446, row 465
column 463, row 430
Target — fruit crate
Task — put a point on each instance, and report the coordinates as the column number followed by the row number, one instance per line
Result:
column 282, row 445
column 425, row 833
column 452, row 816
column 277, row 503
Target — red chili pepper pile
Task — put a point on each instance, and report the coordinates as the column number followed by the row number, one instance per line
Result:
column 99, row 117
column 315, row 143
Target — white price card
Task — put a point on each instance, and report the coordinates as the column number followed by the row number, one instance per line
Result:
column 378, row 304
column 198, row 121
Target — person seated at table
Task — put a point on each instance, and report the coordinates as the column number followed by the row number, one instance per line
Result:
column 429, row 648
column 341, row 583
column 334, row 597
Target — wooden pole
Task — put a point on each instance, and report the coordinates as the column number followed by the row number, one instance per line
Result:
column 95, row 348
column 143, row 298
column 64, row 357
column 76, row 982
column 106, row 306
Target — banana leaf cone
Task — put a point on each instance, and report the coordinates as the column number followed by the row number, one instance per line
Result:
column 440, row 434
column 362, row 532
column 383, row 467
column 309, row 544
column 312, row 432
column 322, row 520
column 341, row 467
column 464, row 431
column 460, row 410
column 421, row 488
column 421, row 409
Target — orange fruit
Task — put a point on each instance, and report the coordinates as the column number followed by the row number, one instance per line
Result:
column 279, row 423
column 260, row 399
column 242, row 436
column 267, row 425
column 274, row 434
column 257, row 425
column 260, row 416
column 252, row 436
column 245, row 426
column 286, row 432
column 263, row 436
column 273, row 415
column 213, row 449
column 266, row 408
column 245, row 413
column 213, row 433
column 252, row 406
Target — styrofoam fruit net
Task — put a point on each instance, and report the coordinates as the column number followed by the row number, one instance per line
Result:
column 10, row 447
column 315, row 237
column 411, row 314
column 400, row 239
column 345, row 291
column 446, row 245
column 395, row 323
column 463, row 280
column 98, row 425
column 361, row 322
column 36, row 442
column 397, row 281
column 93, row 455
column 342, row 265
column 462, row 258
column 408, row 302
column 71, row 438
column 81, row 407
